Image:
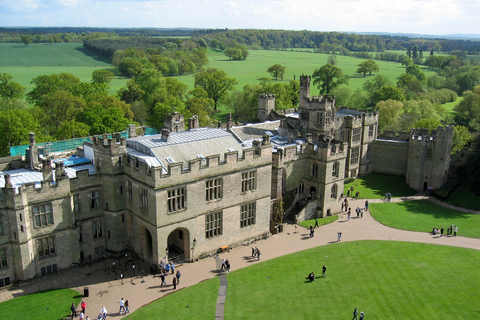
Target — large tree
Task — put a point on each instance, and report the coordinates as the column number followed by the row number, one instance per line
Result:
column 215, row 83
column 277, row 71
column 328, row 77
column 26, row 39
column 10, row 89
column 367, row 66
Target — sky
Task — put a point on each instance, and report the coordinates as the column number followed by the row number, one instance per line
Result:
column 432, row 17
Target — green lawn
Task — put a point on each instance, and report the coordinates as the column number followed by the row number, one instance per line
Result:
column 374, row 186
column 47, row 305
column 386, row 280
column 423, row 215
column 463, row 197
column 321, row 221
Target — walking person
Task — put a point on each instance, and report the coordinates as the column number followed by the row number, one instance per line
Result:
column 74, row 310
column 324, row 271
column 127, row 306
column 258, row 254
column 122, row 306
column 227, row 263
column 441, row 231
column 81, row 316
column 253, row 252
column 362, row 316
column 316, row 224
column 311, row 231
column 339, row 236
column 366, row 205
column 349, row 213
column 172, row 267
column 84, row 306
column 162, row 278
column 178, row 275
column 174, row 281
column 358, row 211
column 355, row 314
column 455, row 230
column 104, row 311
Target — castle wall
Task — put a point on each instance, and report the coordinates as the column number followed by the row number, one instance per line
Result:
column 389, row 157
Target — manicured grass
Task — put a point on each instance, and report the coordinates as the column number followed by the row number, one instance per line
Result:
column 47, row 305
column 321, row 221
column 463, row 197
column 386, row 280
column 450, row 105
column 423, row 215
column 374, row 186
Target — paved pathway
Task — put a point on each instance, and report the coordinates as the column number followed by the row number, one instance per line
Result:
column 105, row 291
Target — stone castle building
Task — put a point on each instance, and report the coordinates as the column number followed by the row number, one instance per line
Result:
column 187, row 192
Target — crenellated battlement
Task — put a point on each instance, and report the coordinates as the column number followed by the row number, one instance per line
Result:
column 115, row 145
column 266, row 96
column 422, row 135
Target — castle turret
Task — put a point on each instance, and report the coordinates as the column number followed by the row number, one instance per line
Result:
column 266, row 104
column 174, row 122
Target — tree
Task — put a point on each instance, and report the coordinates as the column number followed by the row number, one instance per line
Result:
column 461, row 138
column 26, row 39
column 215, row 83
column 10, row 89
column 102, row 76
column 332, row 59
column 468, row 109
column 367, row 66
column 61, row 106
column 277, row 71
column 278, row 211
column 389, row 112
column 329, row 77
column 49, row 84
column 201, row 105
column 388, row 93
column 239, row 52
column 15, row 124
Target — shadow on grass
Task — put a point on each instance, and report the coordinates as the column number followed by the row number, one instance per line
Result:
column 434, row 210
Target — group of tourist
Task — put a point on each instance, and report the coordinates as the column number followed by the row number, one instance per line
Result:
column 103, row 311
column 225, row 265
column 255, row 253
column 355, row 315
column 312, row 277
column 451, row 229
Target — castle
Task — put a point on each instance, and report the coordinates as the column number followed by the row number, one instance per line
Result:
column 185, row 193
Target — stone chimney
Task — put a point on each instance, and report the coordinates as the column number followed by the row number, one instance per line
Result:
column 193, row 122
column 46, row 170
column 165, row 135
column 60, row 171
column 132, row 130
column 229, row 122
column 33, row 152
column 8, row 181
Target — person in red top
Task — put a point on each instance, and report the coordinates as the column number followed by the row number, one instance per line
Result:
column 83, row 305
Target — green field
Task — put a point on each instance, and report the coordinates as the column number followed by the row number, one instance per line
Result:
column 386, row 280
column 46, row 305
column 26, row 63
column 375, row 186
column 423, row 215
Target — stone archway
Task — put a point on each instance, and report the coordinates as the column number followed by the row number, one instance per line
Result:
column 179, row 247
column 146, row 243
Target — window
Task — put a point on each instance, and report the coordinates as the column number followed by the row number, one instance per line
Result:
column 213, row 225
column 369, row 151
column 176, row 199
column 99, row 251
column 4, row 282
column 94, row 199
column 1, row 225
column 80, row 234
column 334, row 148
column 249, row 181
column 213, row 189
column 327, row 117
column 49, row 269
column 336, row 169
column 370, row 131
column 76, row 203
column 356, row 135
column 354, row 155
column 429, row 153
column 46, row 247
column 301, row 187
column 247, row 214
column 315, row 170
column 130, row 191
column 144, row 199
column 333, row 192
column 3, row 258
column 97, row 229
column 42, row 215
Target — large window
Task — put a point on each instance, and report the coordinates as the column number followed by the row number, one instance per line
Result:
column 76, row 203
column 248, row 213
column 97, row 229
column 46, row 247
column 3, row 258
column 49, row 269
column 354, row 155
column 333, row 193
column 213, row 225
column 94, row 199
column 370, row 131
column 336, row 169
column 130, row 191
column 249, row 181
column 144, row 198
column 356, row 135
column 4, row 282
column 213, row 189
column 176, row 199
column 43, row 215
column 315, row 170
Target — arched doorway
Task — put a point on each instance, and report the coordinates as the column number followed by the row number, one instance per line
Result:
column 146, row 244
column 179, row 245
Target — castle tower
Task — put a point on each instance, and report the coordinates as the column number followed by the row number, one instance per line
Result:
column 429, row 157
column 266, row 104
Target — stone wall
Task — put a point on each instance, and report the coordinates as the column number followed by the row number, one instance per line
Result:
column 389, row 157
